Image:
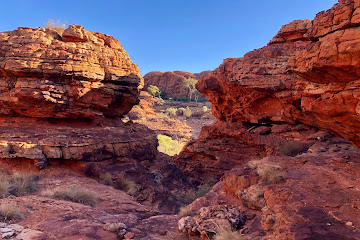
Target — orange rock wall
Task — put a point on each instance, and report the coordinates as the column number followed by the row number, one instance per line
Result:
column 80, row 74
column 309, row 72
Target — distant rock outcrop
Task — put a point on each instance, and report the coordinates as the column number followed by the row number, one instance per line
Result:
column 171, row 83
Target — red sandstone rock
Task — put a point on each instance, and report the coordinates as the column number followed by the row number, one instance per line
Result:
column 171, row 83
column 308, row 73
column 80, row 75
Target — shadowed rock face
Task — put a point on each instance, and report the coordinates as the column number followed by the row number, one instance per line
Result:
column 308, row 73
column 79, row 75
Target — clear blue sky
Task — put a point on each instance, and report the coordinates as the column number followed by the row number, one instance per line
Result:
column 188, row 35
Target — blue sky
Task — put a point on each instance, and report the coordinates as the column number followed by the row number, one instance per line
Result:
column 187, row 35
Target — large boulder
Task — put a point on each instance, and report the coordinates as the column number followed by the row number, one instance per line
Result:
column 80, row 74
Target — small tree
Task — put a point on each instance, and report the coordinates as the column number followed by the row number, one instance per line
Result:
column 190, row 84
column 154, row 91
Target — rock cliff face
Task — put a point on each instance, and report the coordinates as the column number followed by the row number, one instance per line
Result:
column 61, row 99
column 80, row 74
column 277, row 109
column 308, row 73
column 171, row 83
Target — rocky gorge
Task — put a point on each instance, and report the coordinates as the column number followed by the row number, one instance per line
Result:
column 283, row 151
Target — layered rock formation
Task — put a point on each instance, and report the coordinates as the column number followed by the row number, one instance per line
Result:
column 80, row 74
column 171, row 83
column 280, row 101
column 308, row 73
column 61, row 100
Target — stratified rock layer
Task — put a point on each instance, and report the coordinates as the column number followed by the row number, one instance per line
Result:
column 80, row 74
column 308, row 73
column 171, row 83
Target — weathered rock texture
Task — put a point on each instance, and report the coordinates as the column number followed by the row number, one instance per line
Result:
column 80, row 74
column 308, row 73
column 171, row 83
column 276, row 102
column 61, row 99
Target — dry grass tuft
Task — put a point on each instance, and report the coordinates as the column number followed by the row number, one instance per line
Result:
column 227, row 234
column 126, row 185
column 72, row 194
column 57, row 26
column 18, row 184
column 10, row 212
column 271, row 173
column 184, row 211
column 106, row 178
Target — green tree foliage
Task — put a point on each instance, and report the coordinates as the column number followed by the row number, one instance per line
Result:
column 154, row 91
column 190, row 84
column 187, row 112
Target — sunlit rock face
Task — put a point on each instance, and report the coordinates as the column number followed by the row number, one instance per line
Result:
column 309, row 72
column 80, row 74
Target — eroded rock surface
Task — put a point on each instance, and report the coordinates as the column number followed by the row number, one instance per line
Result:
column 308, row 73
column 80, row 74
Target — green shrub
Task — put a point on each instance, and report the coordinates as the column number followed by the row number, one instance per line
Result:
column 154, row 91
column 76, row 195
column 171, row 111
column 204, row 109
column 183, row 99
column 169, row 146
column 10, row 212
column 202, row 190
column 180, row 111
column 187, row 112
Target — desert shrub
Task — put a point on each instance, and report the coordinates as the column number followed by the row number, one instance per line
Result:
column 18, row 184
column 106, row 178
column 185, row 198
column 169, row 146
column 271, row 173
column 171, row 111
column 227, row 234
column 10, row 212
column 154, row 91
column 184, row 211
column 126, row 185
column 23, row 183
column 76, row 195
column 57, row 26
column 204, row 109
column 183, row 99
column 202, row 190
column 4, row 186
column 180, row 111
column 187, row 112
column 292, row 148
column 160, row 101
